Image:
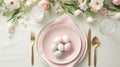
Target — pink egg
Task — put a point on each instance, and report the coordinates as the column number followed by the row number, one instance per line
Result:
column 58, row 40
column 67, row 46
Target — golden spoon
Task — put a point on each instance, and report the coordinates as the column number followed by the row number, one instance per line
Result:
column 95, row 43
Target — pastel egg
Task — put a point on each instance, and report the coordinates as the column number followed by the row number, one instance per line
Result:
column 58, row 40
column 54, row 47
column 60, row 47
column 58, row 53
column 65, row 39
column 67, row 46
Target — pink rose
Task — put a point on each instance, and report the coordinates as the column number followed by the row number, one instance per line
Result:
column 116, row 2
column 44, row 4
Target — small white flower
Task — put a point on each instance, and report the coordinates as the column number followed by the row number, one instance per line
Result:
column 77, row 12
column 29, row 3
column 96, row 5
column 83, row 5
column 10, row 28
column 90, row 19
column 12, row 4
column 33, row 1
column 117, row 16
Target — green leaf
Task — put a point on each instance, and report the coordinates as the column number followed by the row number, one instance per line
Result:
column 88, row 12
column 63, row 7
column 111, row 7
column 70, row 12
column 88, row 1
column 8, row 13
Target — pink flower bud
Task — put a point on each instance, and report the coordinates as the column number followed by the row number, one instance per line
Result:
column 44, row 4
column 77, row 12
column 116, row 2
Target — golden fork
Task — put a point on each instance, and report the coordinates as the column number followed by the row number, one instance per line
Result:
column 32, row 42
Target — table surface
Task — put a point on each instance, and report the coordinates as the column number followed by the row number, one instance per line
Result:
column 16, row 52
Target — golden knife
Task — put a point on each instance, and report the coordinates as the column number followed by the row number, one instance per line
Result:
column 89, row 47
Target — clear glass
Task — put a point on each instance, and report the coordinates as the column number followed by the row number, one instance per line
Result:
column 107, row 26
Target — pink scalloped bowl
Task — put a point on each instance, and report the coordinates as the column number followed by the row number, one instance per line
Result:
column 56, row 31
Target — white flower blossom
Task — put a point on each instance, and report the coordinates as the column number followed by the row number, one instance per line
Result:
column 12, row 4
column 83, row 5
column 96, row 5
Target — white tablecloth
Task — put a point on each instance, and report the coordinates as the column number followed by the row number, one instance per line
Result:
column 16, row 52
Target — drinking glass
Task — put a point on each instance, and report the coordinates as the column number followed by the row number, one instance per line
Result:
column 107, row 26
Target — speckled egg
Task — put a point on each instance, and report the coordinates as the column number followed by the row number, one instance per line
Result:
column 54, row 47
column 57, row 40
column 65, row 39
column 58, row 53
column 60, row 47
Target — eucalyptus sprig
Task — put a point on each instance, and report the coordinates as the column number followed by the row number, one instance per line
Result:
column 70, row 6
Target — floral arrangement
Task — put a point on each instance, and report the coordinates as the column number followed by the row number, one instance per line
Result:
column 16, row 9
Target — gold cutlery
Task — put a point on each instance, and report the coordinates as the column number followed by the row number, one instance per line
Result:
column 89, row 47
column 95, row 43
column 32, row 42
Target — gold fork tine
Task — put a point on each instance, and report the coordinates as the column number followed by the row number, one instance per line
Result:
column 32, row 38
column 32, row 42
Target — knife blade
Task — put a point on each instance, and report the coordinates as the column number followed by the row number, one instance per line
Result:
column 89, row 47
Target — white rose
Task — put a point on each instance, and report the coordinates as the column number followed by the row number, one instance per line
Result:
column 12, row 4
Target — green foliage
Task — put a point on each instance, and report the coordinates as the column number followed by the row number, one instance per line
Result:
column 15, row 14
column 70, row 7
column 110, row 6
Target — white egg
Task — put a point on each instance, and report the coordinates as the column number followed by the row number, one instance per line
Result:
column 54, row 47
column 65, row 39
column 58, row 40
column 67, row 46
column 58, row 53
column 60, row 47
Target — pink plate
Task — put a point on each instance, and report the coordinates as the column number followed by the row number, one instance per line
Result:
column 56, row 31
column 62, row 26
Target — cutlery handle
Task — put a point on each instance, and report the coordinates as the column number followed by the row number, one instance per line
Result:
column 94, row 57
column 32, row 56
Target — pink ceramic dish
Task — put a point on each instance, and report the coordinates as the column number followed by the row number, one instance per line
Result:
column 68, row 25
column 57, row 31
